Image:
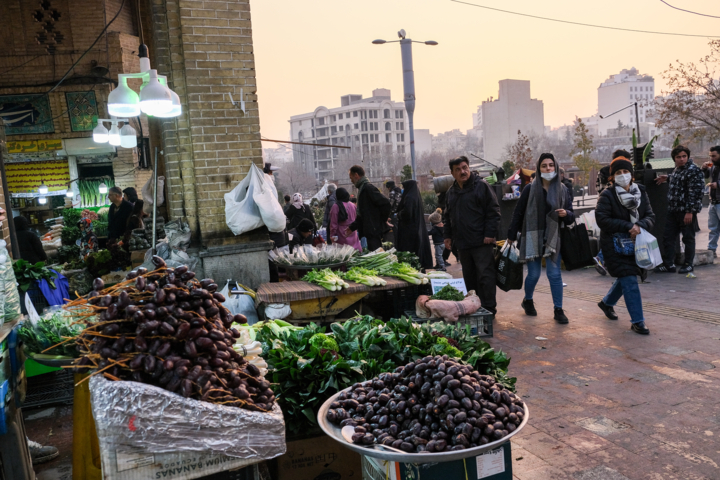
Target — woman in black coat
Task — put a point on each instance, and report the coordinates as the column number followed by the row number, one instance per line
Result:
column 297, row 211
column 412, row 232
column 622, row 210
column 31, row 248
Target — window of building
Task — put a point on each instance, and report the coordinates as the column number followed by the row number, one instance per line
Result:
column 388, row 137
column 400, row 137
column 321, row 121
column 388, row 127
column 333, row 130
column 341, row 128
column 355, row 115
column 401, row 148
column 365, row 138
column 356, row 126
column 312, row 122
column 363, row 126
column 333, row 118
column 402, row 125
column 386, row 113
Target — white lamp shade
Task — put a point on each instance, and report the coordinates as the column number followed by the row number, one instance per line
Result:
column 155, row 98
column 102, row 188
column 43, row 189
column 123, row 101
column 69, row 193
column 42, row 200
column 128, row 137
column 100, row 134
column 176, row 109
column 114, row 136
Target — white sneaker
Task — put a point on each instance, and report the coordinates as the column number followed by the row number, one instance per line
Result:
column 40, row 454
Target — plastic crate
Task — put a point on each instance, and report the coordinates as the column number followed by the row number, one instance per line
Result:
column 481, row 322
column 395, row 303
column 36, row 297
column 50, row 389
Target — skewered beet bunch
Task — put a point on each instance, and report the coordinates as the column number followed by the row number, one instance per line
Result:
column 432, row 405
column 167, row 328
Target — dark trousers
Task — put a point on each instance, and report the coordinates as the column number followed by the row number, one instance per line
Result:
column 674, row 226
column 446, row 253
column 373, row 243
column 478, row 266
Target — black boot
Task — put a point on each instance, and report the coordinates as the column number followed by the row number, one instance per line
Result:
column 529, row 308
column 608, row 310
column 560, row 316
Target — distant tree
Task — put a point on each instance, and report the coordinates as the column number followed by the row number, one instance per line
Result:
column 509, row 167
column 293, row 178
column 691, row 105
column 620, row 124
column 406, row 173
column 520, row 153
column 583, row 150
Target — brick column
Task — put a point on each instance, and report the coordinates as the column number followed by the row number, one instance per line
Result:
column 205, row 48
column 5, row 230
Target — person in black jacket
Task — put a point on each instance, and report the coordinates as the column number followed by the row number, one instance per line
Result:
column 29, row 243
column 120, row 212
column 302, row 234
column 471, row 220
column 568, row 183
column 412, row 233
column 622, row 210
column 543, row 206
column 297, row 211
column 373, row 210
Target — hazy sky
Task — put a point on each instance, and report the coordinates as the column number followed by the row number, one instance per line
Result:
column 310, row 52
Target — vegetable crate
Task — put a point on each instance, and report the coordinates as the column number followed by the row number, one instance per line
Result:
column 396, row 303
column 36, row 297
column 50, row 389
column 481, row 322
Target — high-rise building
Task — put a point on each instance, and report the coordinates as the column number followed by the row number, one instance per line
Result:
column 369, row 126
column 620, row 90
column 513, row 111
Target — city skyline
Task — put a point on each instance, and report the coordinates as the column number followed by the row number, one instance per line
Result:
column 311, row 54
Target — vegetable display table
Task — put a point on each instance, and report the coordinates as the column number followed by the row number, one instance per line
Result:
column 309, row 301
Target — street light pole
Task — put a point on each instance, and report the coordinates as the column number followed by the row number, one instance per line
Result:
column 408, row 86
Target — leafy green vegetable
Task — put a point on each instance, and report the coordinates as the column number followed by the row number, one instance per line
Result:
column 304, row 376
column 52, row 329
column 70, row 235
column 71, row 217
column 100, row 228
column 320, row 341
column 68, row 253
column 409, row 258
column 26, row 274
column 326, row 278
column 450, row 293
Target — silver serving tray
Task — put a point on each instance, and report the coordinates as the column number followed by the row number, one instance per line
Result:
column 333, row 432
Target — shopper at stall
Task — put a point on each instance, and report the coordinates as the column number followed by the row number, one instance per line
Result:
column 711, row 170
column 684, row 203
column 130, row 194
column 302, row 234
column 120, row 211
column 88, row 239
column 329, row 202
column 373, row 210
column 622, row 210
column 288, row 202
column 134, row 222
column 412, row 233
column 342, row 215
column 567, row 182
column 542, row 207
column 29, row 243
column 471, row 220
column 299, row 211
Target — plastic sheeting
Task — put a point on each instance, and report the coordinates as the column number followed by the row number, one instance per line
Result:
column 10, row 301
column 148, row 417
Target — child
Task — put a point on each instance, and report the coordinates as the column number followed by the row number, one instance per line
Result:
column 437, row 237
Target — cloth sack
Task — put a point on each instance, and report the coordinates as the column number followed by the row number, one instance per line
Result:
column 647, row 250
column 508, row 269
column 445, row 309
column 253, row 203
column 575, row 247
column 147, row 194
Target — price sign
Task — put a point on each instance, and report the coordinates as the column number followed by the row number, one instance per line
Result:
column 439, row 283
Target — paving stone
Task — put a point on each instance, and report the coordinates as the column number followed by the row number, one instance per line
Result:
column 696, row 365
column 586, row 442
column 602, row 426
column 601, row 472
column 524, row 461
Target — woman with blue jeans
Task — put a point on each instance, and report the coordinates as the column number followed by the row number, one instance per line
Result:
column 622, row 210
column 543, row 206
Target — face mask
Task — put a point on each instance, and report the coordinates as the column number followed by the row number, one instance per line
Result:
column 623, row 180
column 548, row 175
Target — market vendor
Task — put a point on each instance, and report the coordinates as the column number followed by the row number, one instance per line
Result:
column 120, row 212
column 302, row 234
column 31, row 249
column 130, row 194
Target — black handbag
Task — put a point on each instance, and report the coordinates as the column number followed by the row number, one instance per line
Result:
column 508, row 270
column 575, row 247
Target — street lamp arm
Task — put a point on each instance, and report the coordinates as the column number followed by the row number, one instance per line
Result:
column 617, row 111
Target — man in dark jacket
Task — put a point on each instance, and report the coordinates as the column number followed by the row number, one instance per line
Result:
column 684, row 203
column 120, row 211
column 712, row 171
column 472, row 219
column 567, row 182
column 301, row 235
column 372, row 212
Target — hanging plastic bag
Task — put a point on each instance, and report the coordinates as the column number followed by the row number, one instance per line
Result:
column 253, row 203
column 647, row 250
column 147, row 194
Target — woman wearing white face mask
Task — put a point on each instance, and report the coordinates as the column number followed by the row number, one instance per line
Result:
column 621, row 212
column 543, row 205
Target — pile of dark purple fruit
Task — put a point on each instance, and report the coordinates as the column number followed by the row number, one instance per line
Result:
column 167, row 328
column 435, row 404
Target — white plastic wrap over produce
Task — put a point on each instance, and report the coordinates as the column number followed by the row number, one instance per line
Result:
column 137, row 415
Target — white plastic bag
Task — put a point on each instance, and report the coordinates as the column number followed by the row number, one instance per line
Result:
column 240, row 303
column 277, row 311
column 647, row 250
column 253, row 203
column 147, row 194
column 589, row 220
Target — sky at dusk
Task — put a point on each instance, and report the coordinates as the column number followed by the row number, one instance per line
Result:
column 309, row 53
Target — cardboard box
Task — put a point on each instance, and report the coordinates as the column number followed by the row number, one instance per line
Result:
column 320, row 458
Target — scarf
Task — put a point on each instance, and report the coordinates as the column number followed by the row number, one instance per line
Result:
column 297, row 201
column 630, row 200
column 540, row 232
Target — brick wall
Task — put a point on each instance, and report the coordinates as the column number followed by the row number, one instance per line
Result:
column 205, row 48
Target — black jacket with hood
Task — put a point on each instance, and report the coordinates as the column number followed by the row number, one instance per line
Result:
column 472, row 213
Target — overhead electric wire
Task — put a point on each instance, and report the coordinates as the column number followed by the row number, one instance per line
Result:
column 689, row 11
column 21, row 65
column 583, row 24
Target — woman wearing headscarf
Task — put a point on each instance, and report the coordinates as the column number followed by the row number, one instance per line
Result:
column 544, row 204
column 412, row 232
column 297, row 211
column 622, row 210
column 31, row 249
column 88, row 239
column 134, row 222
column 342, row 214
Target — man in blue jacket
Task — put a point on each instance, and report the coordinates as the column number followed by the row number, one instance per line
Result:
column 471, row 220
